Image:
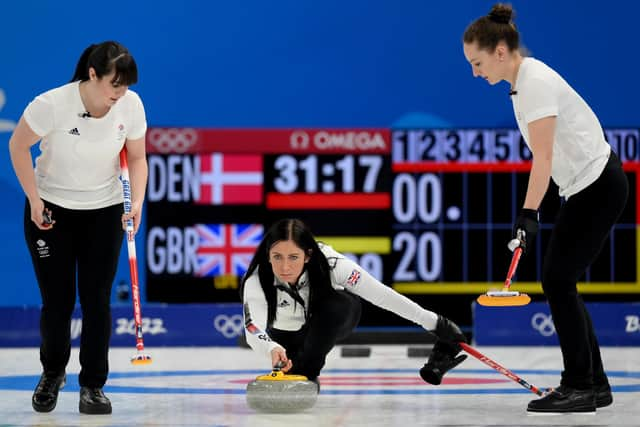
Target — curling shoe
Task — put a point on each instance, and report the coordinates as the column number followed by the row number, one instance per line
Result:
column 93, row 401
column 565, row 400
column 45, row 395
column 604, row 397
column 441, row 360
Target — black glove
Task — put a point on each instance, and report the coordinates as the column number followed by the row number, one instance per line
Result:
column 442, row 359
column 449, row 332
column 444, row 355
column 524, row 230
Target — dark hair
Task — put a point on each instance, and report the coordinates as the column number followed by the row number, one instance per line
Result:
column 493, row 28
column 317, row 267
column 104, row 58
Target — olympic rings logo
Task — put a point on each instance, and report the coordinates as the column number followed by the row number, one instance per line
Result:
column 229, row 326
column 543, row 323
column 172, row 140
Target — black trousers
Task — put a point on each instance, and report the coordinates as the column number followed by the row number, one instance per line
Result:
column 332, row 321
column 83, row 245
column 581, row 228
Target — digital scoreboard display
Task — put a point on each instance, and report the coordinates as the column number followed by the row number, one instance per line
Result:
column 455, row 196
column 427, row 211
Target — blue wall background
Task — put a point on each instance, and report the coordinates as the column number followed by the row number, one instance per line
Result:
column 313, row 63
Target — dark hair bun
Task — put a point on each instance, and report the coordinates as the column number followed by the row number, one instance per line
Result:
column 501, row 13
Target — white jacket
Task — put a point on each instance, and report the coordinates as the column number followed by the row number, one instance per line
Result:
column 291, row 315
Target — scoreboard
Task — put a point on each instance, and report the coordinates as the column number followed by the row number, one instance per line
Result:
column 426, row 211
column 456, row 194
column 211, row 193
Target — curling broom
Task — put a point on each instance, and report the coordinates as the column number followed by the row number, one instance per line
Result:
column 504, row 371
column 506, row 297
column 140, row 358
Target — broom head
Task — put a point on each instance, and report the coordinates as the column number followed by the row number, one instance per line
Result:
column 504, row 298
column 141, row 359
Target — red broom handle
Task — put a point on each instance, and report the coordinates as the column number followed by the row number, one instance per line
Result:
column 504, row 371
column 131, row 248
column 517, row 253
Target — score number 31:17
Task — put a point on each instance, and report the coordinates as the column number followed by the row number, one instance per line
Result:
column 311, row 175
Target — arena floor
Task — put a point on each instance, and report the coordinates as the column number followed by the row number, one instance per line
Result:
column 205, row 387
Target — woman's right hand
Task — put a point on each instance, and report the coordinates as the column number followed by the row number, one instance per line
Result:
column 279, row 355
column 37, row 214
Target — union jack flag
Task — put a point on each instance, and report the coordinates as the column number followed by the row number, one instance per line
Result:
column 353, row 278
column 226, row 248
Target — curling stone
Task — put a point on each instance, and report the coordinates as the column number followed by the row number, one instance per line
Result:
column 278, row 392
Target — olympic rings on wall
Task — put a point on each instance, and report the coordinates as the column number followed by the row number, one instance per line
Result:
column 229, row 326
column 172, row 140
column 543, row 323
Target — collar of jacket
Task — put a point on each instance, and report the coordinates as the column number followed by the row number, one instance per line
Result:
column 302, row 281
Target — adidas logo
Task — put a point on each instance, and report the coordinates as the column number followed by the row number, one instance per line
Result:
column 284, row 303
column 74, row 131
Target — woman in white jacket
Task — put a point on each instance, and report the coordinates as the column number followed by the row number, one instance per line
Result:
column 300, row 297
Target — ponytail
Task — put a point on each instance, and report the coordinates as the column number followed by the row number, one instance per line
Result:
column 82, row 68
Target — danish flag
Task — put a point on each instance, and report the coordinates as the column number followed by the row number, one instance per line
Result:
column 230, row 179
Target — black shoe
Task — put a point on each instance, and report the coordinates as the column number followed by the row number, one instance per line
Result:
column 565, row 399
column 93, row 401
column 604, row 397
column 45, row 395
column 441, row 360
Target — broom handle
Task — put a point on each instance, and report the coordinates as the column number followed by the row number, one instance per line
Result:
column 504, row 371
column 131, row 249
column 517, row 253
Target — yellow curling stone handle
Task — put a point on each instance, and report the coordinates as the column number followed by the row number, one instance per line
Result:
column 277, row 375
